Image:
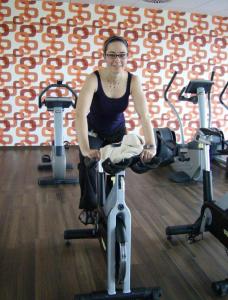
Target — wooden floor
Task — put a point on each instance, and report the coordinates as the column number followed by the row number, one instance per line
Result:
column 35, row 264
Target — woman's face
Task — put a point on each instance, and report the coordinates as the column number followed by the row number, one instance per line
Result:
column 116, row 56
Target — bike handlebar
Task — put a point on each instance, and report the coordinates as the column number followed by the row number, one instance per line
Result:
column 169, row 85
column 58, row 84
column 212, row 75
column 221, row 95
column 135, row 163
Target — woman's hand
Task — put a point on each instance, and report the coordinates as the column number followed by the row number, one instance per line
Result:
column 148, row 154
column 94, row 154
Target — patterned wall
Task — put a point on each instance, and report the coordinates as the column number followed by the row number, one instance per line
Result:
column 42, row 41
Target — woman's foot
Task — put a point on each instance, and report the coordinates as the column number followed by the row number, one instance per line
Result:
column 88, row 216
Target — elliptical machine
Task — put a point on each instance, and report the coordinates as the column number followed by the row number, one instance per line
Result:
column 187, row 164
column 57, row 163
column 113, row 229
column 214, row 214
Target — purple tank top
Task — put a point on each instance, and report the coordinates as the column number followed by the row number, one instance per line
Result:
column 106, row 114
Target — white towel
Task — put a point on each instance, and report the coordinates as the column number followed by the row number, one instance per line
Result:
column 130, row 146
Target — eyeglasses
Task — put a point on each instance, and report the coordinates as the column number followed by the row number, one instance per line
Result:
column 115, row 55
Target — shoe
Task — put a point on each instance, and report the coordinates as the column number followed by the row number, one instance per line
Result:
column 88, row 217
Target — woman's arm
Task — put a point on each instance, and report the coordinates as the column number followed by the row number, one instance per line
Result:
column 82, row 109
column 142, row 111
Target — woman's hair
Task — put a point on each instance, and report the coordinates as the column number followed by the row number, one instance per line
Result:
column 114, row 38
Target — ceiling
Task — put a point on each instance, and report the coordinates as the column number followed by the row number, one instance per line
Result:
column 209, row 7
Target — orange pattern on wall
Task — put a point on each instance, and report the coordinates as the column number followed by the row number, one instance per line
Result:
column 43, row 41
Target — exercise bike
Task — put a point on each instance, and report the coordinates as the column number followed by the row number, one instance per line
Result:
column 113, row 229
column 214, row 214
column 57, row 162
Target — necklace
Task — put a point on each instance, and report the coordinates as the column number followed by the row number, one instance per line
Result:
column 114, row 82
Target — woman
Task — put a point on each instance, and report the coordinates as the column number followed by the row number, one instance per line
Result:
column 100, row 119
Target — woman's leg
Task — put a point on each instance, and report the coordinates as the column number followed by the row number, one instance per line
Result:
column 87, row 178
